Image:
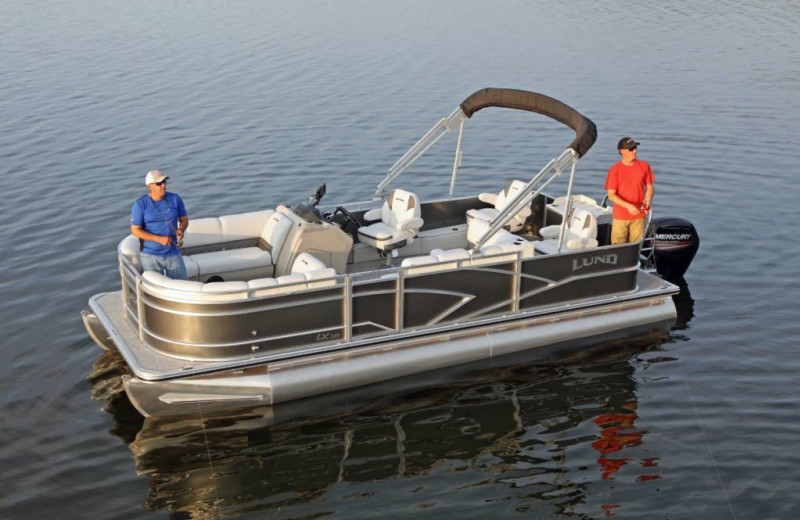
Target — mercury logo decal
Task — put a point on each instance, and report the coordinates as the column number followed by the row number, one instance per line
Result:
column 580, row 263
column 673, row 236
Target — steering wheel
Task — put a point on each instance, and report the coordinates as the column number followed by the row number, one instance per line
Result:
column 349, row 218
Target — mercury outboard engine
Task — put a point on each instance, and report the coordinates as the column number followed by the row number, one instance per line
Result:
column 675, row 242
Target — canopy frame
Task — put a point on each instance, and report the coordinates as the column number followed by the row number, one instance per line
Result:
column 585, row 136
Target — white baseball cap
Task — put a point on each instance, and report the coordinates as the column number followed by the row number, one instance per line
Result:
column 154, row 176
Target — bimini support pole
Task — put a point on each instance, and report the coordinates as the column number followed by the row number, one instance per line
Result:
column 555, row 167
column 457, row 161
column 567, row 208
column 442, row 128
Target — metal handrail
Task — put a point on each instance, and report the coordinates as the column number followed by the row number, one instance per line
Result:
column 346, row 283
column 647, row 257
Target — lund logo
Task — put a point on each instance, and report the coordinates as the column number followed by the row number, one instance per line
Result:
column 580, row 263
column 327, row 336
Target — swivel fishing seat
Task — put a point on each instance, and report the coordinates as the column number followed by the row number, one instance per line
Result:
column 400, row 220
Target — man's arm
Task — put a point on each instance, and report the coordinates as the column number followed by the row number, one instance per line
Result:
column 183, row 223
column 138, row 232
column 648, row 196
column 616, row 199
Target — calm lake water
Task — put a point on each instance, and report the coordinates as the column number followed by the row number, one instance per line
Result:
column 250, row 104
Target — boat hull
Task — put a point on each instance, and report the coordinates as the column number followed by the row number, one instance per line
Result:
column 291, row 379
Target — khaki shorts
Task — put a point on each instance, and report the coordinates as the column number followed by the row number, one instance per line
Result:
column 626, row 230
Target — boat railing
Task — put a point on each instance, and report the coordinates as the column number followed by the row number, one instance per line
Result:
column 647, row 254
column 139, row 293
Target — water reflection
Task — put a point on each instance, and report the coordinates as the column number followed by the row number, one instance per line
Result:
column 544, row 433
column 684, row 305
column 522, row 427
column 617, row 432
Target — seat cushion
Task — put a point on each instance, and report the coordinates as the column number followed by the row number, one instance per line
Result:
column 516, row 223
column 377, row 231
column 192, row 269
column 231, row 260
column 485, row 214
column 381, row 236
column 550, row 247
column 306, row 262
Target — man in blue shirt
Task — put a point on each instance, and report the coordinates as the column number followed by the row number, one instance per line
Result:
column 159, row 220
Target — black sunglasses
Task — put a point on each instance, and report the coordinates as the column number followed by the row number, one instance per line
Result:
column 161, row 183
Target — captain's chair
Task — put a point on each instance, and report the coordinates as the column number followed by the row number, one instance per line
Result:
column 500, row 201
column 400, row 220
column 581, row 234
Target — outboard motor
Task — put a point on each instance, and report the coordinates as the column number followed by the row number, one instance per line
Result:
column 675, row 244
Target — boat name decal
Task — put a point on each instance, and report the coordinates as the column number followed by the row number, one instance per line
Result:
column 673, row 236
column 579, row 263
column 327, row 336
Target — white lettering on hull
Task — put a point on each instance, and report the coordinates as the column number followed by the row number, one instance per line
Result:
column 580, row 263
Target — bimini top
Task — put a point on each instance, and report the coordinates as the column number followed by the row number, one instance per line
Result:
column 585, row 129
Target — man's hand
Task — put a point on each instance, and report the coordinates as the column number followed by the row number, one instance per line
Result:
column 164, row 241
column 633, row 210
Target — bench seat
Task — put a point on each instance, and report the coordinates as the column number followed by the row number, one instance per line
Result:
column 237, row 264
column 307, row 273
column 235, row 247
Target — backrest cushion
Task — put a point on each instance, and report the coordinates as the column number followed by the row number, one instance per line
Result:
column 165, row 282
column 222, row 287
column 511, row 190
column 450, row 254
column 129, row 247
column 187, row 290
column 400, row 205
column 203, row 231
column 260, row 283
column 583, row 224
column 244, row 225
column 275, row 232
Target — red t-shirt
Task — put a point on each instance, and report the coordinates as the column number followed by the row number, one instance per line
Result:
column 629, row 183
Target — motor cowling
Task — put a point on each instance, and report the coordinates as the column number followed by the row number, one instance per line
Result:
column 675, row 243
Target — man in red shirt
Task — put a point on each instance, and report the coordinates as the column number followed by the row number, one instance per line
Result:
column 630, row 187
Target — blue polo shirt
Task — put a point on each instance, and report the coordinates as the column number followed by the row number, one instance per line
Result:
column 159, row 217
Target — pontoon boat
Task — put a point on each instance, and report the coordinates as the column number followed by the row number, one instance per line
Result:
column 291, row 302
